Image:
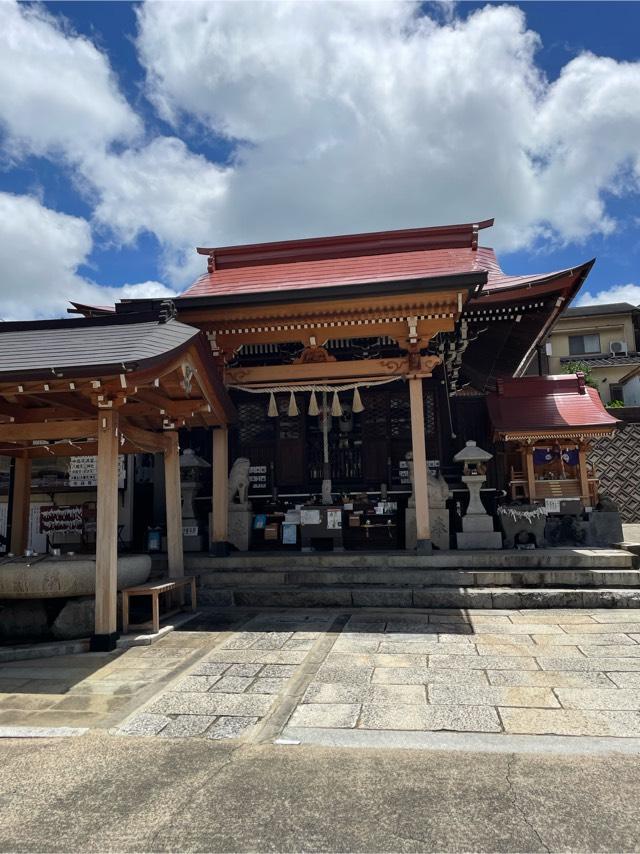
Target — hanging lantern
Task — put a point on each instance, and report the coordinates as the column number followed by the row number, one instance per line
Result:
column 357, row 406
column 293, row 406
column 336, row 409
column 272, row 412
column 313, row 405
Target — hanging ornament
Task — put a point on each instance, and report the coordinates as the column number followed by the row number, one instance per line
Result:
column 313, row 405
column 293, row 406
column 336, row 409
column 273, row 407
column 357, row 406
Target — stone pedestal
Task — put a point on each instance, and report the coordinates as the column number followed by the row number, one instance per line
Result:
column 240, row 517
column 477, row 526
column 439, row 523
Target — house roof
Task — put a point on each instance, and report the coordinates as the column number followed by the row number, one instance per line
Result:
column 598, row 310
column 109, row 344
column 603, row 361
column 556, row 405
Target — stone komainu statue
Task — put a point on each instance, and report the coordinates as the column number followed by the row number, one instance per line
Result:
column 239, row 481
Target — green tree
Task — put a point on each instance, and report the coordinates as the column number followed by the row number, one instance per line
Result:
column 580, row 367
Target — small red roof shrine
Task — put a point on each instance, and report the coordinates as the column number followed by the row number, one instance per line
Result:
column 560, row 406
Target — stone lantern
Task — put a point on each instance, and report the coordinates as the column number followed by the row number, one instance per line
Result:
column 192, row 468
column 477, row 525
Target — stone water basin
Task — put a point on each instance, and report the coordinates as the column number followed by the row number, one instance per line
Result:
column 49, row 577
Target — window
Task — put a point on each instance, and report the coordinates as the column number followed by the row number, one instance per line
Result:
column 579, row 345
column 617, row 392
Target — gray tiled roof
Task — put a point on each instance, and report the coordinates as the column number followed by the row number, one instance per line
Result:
column 596, row 310
column 603, row 361
column 40, row 347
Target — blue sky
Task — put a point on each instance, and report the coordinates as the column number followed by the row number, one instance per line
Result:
column 132, row 133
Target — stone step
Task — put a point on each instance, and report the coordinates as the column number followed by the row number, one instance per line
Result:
column 418, row 578
column 578, row 558
column 430, row 597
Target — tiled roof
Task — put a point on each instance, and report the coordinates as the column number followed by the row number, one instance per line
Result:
column 416, row 254
column 597, row 310
column 51, row 347
column 603, row 361
column 556, row 403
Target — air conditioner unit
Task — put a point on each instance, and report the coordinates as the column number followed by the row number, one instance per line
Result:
column 619, row 348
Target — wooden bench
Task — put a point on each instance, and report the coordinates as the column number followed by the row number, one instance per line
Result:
column 155, row 590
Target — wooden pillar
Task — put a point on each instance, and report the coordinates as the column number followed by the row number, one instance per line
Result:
column 105, row 636
column 173, row 499
column 420, row 477
column 531, row 475
column 220, row 496
column 584, row 475
column 21, row 505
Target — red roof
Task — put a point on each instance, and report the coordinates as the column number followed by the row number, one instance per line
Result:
column 537, row 404
column 388, row 256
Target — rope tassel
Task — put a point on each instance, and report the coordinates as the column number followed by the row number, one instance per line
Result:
column 336, row 409
column 313, row 404
column 293, row 406
column 358, row 406
column 272, row 412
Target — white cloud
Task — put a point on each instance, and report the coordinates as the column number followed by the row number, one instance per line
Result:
column 161, row 188
column 345, row 116
column 57, row 91
column 351, row 116
column 40, row 252
column 619, row 293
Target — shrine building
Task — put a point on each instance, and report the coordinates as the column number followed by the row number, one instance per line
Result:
column 336, row 378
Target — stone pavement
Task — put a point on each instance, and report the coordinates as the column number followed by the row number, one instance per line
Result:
column 297, row 674
column 95, row 689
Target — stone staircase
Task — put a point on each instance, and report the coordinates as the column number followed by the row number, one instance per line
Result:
column 544, row 578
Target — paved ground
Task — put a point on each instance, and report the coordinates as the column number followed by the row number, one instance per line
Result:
column 99, row 793
column 298, row 675
column 528, row 725
column 305, row 675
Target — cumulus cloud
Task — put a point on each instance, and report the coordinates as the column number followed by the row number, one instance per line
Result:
column 57, row 91
column 342, row 116
column 40, row 252
column 619, row 293
column 352, row 116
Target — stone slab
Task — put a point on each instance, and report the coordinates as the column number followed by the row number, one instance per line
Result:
column 350, row 675
column 198, row 684
column 617, row 639
column 625, row 680
column 143, row 724
column 554, row 679
column 342, row 715
column 600, row 698
column 625, row 651
column 571, row 722
column 426, row 675
column 319, row 692
column 482, row 662
column 467, row 695
column 231, row 727
column 461, row 719
column 231, row 684
column 278, row 671
column 268, row 686
column 245, row 669
column 187, row 726
column 213, row 704
column 257, row 656
column 589, row 663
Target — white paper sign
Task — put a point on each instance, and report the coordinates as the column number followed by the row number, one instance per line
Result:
column 334, row 520
column 309, row 517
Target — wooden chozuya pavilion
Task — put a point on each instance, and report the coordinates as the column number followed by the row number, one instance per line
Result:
column 333, row 365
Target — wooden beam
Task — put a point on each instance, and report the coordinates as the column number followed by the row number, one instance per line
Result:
column 16, row 432
column 173, row 500
column 420, row 475
column 145, row 439
column 220, row 497
column 107, row 533
column 21, row 505
column 71, row 401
